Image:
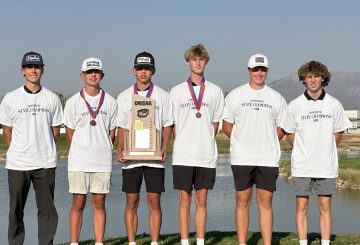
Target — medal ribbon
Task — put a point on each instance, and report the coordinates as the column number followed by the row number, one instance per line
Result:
column 93, row 114
column 197, row 101
column 150, row 90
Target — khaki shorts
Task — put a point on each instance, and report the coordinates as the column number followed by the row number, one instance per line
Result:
column 84, row 182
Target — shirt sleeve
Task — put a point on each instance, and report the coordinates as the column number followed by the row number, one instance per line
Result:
column 219, row 106
column 57, row 118
column 167, row 119
column 121, row 114
column 291, row 117
column 173, row 106
column 114, row 116
column 341, row 120
column 282, row 115
column 228, row 113
column 69, row 115
column 5, row 112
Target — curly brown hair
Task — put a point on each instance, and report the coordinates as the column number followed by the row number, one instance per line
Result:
column 197, row 50
column 315, row 68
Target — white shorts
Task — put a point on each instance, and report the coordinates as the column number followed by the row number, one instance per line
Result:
column 84, row 182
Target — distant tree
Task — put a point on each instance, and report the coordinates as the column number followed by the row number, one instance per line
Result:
column 62, row 98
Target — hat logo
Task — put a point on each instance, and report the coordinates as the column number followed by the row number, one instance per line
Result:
column 92, row 64
column 259, row 59
column 143, row 60
column 33, row 57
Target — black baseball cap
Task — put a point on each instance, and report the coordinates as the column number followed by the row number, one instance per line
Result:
column 32, row 58
column 144, row 59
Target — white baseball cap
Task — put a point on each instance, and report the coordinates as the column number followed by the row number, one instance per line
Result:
column 92, row 64
column 258, row 60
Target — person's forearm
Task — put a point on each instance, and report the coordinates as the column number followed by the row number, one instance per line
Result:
column 120, row 139
column 216, row 127
column 166, row 136
column 338, row 137
column 227, row 128
column 69, row 135
column 7, row 131
column 112, row 135
column 56, row 132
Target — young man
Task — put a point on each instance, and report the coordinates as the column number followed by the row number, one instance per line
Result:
column 253, row 117
column 317, row 123
column 90, row 119
column 133, row 172
column 197, row 105
column 31, row 117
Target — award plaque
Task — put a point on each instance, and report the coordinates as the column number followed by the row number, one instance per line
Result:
column 142, row 141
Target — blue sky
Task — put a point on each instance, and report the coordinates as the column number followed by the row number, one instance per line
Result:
column 65, row 32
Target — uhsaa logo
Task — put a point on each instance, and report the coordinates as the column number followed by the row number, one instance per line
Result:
column 142, row 113
column 143, row 60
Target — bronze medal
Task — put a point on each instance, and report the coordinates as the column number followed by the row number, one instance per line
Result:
column 93, row 123
column 197, row 101
column 92, row 113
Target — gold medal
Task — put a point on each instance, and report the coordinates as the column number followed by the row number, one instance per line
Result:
column 93, row 123
column 198, row 114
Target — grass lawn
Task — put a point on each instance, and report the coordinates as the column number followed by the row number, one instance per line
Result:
column 349, row 171
column 230, row 238
column 223, row 144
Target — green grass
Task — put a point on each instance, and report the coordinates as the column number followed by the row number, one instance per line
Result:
column 346, row 163
column 349, row 171
column 223, row 144
column 351, row 177
column 230, row 238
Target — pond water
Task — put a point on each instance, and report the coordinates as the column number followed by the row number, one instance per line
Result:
column 221, row 203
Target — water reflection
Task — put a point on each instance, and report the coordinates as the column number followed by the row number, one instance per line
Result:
column 221, row 204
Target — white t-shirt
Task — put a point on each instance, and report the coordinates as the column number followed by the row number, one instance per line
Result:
column 255, row 114
column 314, row 123
column 163, row 118
column 31, row 117
column 91, row 147
column 195, row 143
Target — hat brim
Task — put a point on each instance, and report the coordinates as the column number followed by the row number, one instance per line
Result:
column 257, row 66
column 28, row 64
column 144, row 65
column 92, row 69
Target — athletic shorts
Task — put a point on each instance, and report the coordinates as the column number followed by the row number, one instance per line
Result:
column 84, row 182
column 188, row 178
column 154, row 179
column 303, row 186
column 263, row 177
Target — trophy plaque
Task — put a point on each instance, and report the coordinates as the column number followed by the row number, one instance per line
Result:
column 142, row 141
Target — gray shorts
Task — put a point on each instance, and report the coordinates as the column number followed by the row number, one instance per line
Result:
column 84, row 182
column 303, row 186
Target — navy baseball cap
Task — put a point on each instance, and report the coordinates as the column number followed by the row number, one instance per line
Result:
column 144, row 59
column 32, row 58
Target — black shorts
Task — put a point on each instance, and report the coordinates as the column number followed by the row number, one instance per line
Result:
column 188, row 178
column 154, row 179
column 263, row 177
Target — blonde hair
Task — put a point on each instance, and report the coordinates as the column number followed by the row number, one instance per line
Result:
column 197, row 50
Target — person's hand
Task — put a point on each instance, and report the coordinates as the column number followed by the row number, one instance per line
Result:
column 163, row 154
column 120, row 157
